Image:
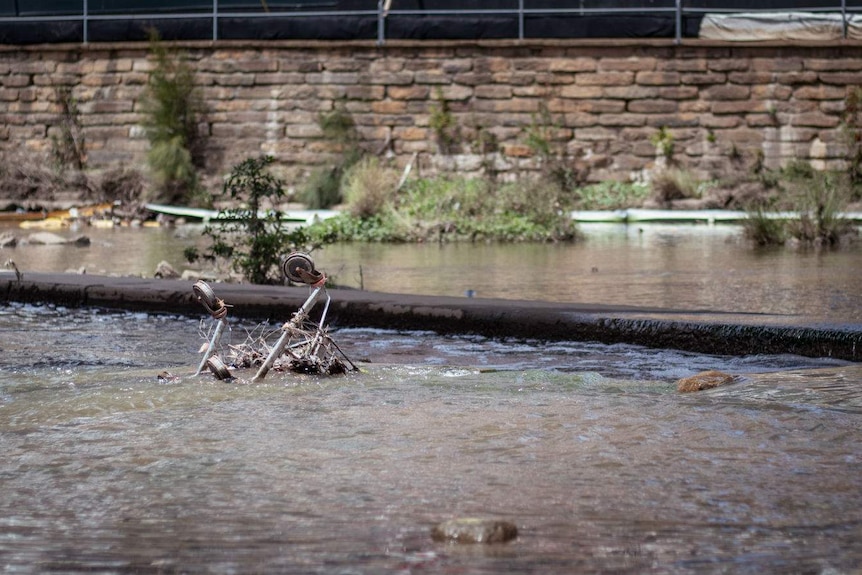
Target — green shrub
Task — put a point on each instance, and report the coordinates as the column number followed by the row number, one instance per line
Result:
column 820, row 198
column 323, row 188
column 251, row 237
column 460, row 209
column 611, row 195
column 763, row 229
column 172, row 109
column 674, row 184
column 369, row 187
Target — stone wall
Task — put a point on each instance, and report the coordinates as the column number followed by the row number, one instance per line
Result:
column 602, row 107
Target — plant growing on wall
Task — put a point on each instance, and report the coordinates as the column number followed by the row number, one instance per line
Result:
column 323, row 188
column 252, row 237
column 69, row 148
column 443, row 124
column 173, row 108
column 663, row 142
column 851, row 126
column 539, row 137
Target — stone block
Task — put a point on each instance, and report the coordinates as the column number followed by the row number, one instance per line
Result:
column 456, row 66
column 630, row 64
column 681, row 65
column 303, row 131
column 673, row 121
column 815, row 119
column 751, row 77
column 343, row 65
column 622, row 120
column 580, row 120
column 762, row 120
column 737, row 106
column 389, row 107
column 658, row 78
column 771, row 92
column 492, row 65
column 632, row 92
column 234, row 80
column 820, row 93
column 606, row 79
column 279, row 78
column 493, row 91
column 17, row 80
column 726, row 92
column 436, row 77
column 832, row 64
column 778, row 64
column 591, row 134
column 703, row 79
column 327, row 77
column 28, row 67
column 842, row 78
column 515, row 79
column 728, row 65
column 578, row 92
column 507, row 106
column 720, row 122
column 653, row 106
column 796, row 78
column 410, row 133
column 678, row 92
column 473, row 79
column 100, row 80
column 532, row 91
column 569, row 65
column 416, row 92
column 365, row 92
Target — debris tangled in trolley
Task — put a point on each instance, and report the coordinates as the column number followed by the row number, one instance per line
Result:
column 303, row 345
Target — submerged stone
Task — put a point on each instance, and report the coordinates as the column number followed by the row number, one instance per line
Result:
column 166, row 271
column 51, row 239
column 474, row 530
column 703, row 380
column 46, row 239
column 8, row 240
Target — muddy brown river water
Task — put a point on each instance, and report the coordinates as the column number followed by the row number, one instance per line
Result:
column 587, row 448
column 652, row 265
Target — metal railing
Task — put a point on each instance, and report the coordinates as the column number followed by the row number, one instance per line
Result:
column 383, row 11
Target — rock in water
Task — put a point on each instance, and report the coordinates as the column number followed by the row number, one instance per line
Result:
column 703, row 380
column 8, row 240
column 166, row 271
column 46, row 239
column 474, row 530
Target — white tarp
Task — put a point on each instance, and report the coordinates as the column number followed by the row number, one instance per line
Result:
column 758, row 27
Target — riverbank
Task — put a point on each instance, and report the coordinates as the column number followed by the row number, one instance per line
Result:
column 697, row 331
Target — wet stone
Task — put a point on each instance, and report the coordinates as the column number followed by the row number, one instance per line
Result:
column 703, row 380
column 166, row 271
column 50, row 239
column 8, row 240
column 474, row 530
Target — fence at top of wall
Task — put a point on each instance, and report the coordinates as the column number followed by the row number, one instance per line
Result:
column 86, row 21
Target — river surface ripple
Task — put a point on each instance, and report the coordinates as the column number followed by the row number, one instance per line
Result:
column 587, row 448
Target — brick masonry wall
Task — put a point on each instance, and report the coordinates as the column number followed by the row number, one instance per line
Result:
column 597, row 105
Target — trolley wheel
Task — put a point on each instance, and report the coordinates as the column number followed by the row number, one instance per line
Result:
column 218, row 368
column 205, row 295
column 295, row 262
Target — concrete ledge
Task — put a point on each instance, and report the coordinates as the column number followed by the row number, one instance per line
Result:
column 698, row 331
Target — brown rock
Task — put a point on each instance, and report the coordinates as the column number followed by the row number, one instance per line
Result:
column 474, row 530
column 703, row 380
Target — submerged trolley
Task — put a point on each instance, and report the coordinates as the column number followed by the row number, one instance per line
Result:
column 303, row 344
